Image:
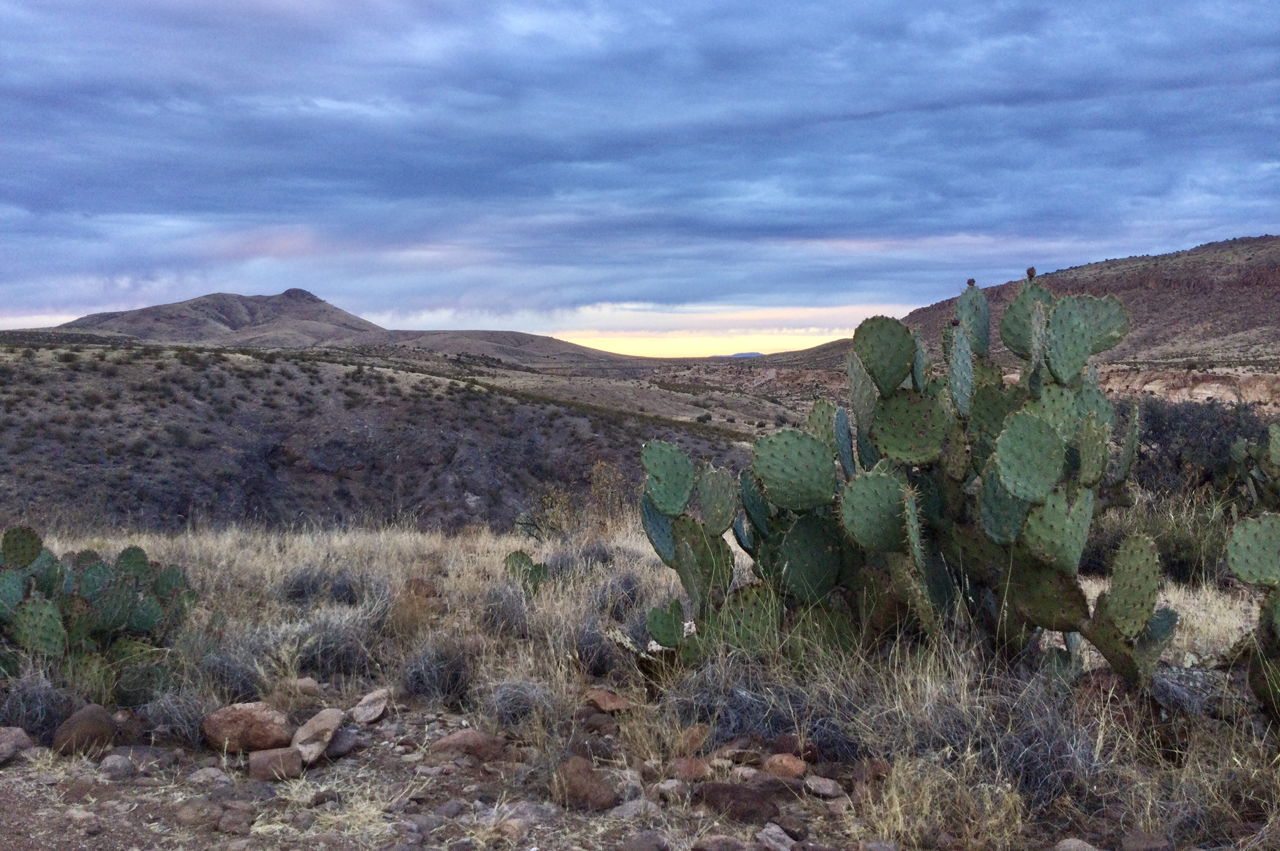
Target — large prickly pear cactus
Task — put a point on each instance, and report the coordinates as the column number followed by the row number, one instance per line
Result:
column 929, row 487
column 1253, row 555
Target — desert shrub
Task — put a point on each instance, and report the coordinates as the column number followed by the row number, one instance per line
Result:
column 594, row 650
column 504, row 612
column 1188, row 444
column 515, row 702
column 441, row 671
column 1190, row 531
column 233, row 675
column 619, row 595
column 311, row 585
column 177, row 715
column 36, row 705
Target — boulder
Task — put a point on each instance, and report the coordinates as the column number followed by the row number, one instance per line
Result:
column 482, row 746
column 822, row 787
column 583, row 787
column 89, row 729
column 246, row 727
column 690, row 769
column 275, row 764
column 785, row 765
column 371, row 707
column 737, row 802
column 116, row 767
column 17, row 737
column 313, row 737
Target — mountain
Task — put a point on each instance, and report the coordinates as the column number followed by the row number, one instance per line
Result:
column 293, row 319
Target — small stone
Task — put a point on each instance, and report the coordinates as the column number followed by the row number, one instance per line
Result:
column 344, row 742
column 648, row 840
column 1145, row 842
column 513, row 829
column 313, row 737
column 208, row 776
column 85, row 820
column 839, row 806
column 634, row 809
column 371, row 707
column 601, row 724
column 306, row 686
column 671, row 792
column 775, row 838
column 246, row 727
column 785, row 765
column 690, row 769
column 583, row 786
column 452, row 808
column 275, row 764
column 720, row 843
column 739, row 803
column 482, row 746
column 236, row 821
column 17, row 737
column 7, row 752
column 116, row 767
column 89, row 729
column 607, row 701
column 793, row 825
column 882, row 845
column 743, row 774
column 195, row 814
column 1074, row 845
column 823, row 787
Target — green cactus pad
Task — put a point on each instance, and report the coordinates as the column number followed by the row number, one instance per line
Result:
column 1106, row 319
column 657, row 526
column 754, row 503
column 1058, row 405
column 821, row 422
column 991, row 404
column 974, row 314
column 743, row 535
column 811, row 556
column 960, row 376
column 1133, row 660
column 1092, row 442
column 797, row 469
column 1273, row 443
column 1091, row 400
column 844, row 443
column 887, row 349
column 147, row 616
column 1069, row 341
column 1056, row 531
column 170, row 583
column 77, row 619
column 21, row 546
column 133, row 560
column 1043, row 596
column 712, row 558
column 1135, row 585
column 956, row 457
column 911, row 428
column 871, row 511
column 1001, row 513
column 94, row 577
column 1015, row 325
column 1122, row 463
column 1039, row 341
column 669, row 476
column 717, row 499
column 112, row 605
column 48, row 574
column 1253, row 552
column 749, row 620
column 908, row 586
column 36, row 626
column 13, row 587
column 1031, row 455
column 862, row 394
column 666, row 626
column 921, row 367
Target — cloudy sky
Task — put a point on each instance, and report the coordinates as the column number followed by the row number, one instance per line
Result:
column 669, row 177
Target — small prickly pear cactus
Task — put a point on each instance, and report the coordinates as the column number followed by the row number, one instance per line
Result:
column 523, row 569
column 1253, row 555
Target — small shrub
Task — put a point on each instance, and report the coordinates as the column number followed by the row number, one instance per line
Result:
column 37, row 706
column 513, row 703
column 619, row 596
column 177, row 715
column 235, row 677
column 441, row 671
column 504, row 613
column 595, row 651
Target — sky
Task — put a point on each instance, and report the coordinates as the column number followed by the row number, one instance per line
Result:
column 666, row 178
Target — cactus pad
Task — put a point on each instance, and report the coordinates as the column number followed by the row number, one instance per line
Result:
column 112, row 605
column 1092, row 442
column 717, row 499
column 12, row 589
column 1015, row 326
column 911, row 428
column 871, row 511
column 669, row 476
column 1031, row 455
column 1058, row 405
column 1106, row 320
column 133, row 560
column 1056, row 531
column 887, row 349
column 921, row 366
column 844, row 443
column 743, row 535
column 36, row 626
column 862, row 394
column 1135, row 585
column 974, row 314
column 1001, row 513
column 811, row 556
column 1043, row 596
column 21, row 546
column 749, row 620
column 1069, row 341
column 753, row 502
column 666, row 626
column 991, row 404
column 1091, row 400
column 712, row 564
column 960, row 375
column 821, row 422
column 1253, row 552
column 657, row 526
column 797, row 469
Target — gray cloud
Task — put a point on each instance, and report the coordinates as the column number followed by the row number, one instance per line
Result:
column 487, row 156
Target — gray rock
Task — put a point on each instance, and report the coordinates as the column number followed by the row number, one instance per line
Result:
column 208, row 776
column 17, row 737
column 1074, row 845
column 822, row 787
column 775, row 838
column 312, row 738
column 7, row 752
column 345, row 741
column 648, row 840
column 116, row 767
column 636, row 808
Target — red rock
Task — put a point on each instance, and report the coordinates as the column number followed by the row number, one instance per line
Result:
column 17, row 737
column 482, row 746
column 313, row 737
column 692, row 739
column 737, row 802
column 785, row 765
column 275, row 764
column 607, row 701
column 583, row 787
column 371, row 707
column 720, row 843
column 89, row 729
column 246, row 727
column 690, row 769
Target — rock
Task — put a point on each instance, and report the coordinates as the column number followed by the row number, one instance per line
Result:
column 607, row 701
column 785, row 765
column 371, row 707
column 452, row 808
column 146, row 760
column 648, row 840
column 1145, row 842
column 823, row 787
column 737, row 802
column 7, row 752
column 313, row 737
column 275, row 764
column 601, row 724
column 195, row 814
column 690, row 769
column 17, row 737
column 583, row 786
column 743, row 773
column 1074, row 845
column 89, row 729
column 345, row 741
column 793, row 825
column 208, row 776
column 720, row 843
column 692, row 739
column 671, row 792
column 85, row 820
column 116, row 767
column 482, row 746
column 246, row 727
column 238, row 822
column 634, row 809
column 790, row 743
column 775, row 838
column 306, row 686
column 882, row 845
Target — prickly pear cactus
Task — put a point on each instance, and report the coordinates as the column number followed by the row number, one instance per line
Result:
column 1253, row 555
column 37, row 628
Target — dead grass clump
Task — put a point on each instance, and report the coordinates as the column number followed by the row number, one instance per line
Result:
column 177, row 715
column 309, row 586
column 619, row 596
column 1190, row 531
column 232, row 675
column 518, row 702
column 503, row 611
column 441, row 671
column 595, row 651
column 36, row 705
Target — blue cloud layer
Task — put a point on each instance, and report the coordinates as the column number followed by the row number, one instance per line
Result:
column 480, row 156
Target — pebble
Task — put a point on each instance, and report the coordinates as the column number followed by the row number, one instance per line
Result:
column 822, row 787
